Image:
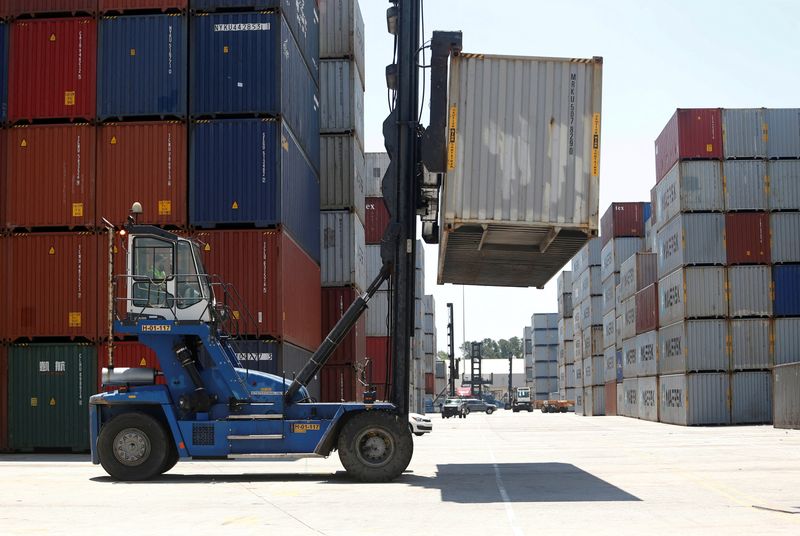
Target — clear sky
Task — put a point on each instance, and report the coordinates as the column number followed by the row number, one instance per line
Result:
column 658, row 55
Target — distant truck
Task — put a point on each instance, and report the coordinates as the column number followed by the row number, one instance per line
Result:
column 522, row 399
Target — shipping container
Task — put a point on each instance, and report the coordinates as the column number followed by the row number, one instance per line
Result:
column 343, row 259
column 620, row 401
column 376, row 220
column 592, row 312
column 577, row 369
column 565, row 330
column 609, row 330
column 374, row 264
column 341, row 176
column 594, row 401
column 646, row 305
column 377, row 315
column 619, row 323
column 637, row 272
column 749, row 291
column 694, row 399
column 610, row 293
column 376, row 165
column 53, row 286
column 335, row 302
column 567, row 352
column 647, row 399
column 5, row 253
column 784, row 132
column 48, row 395
column 647, row 354
column 784, row 228
column 692, row 292
column 589, row 255
column 538, row 209
column 751, row 397
column 578, row 400
column 689, row 134
column 746, row 185
column 341, row 32
column 59, row 7
column 610, row 364
column 341, row 99
column 629, row 358
column 278, row 282
column 4, row 31
column 50, row 176
column 630, row 386
column 784, row 184
column 429, row 384
column 617, row 251
column 620, row 366
column 587, row 284
column 3, row 399
column 339, row 383
column 629, row 313
column 251, row 171
column 744, row 133
column 598, row 370
column 127, row 6
column 786, row 335
column 144, row 162
column 786, row 284
column 689, row 187
column 747, row 238
column 693, row 346
column 786, row 402
column 247, row 63
column 142, row 66
column 691, row 239
column 750, row 344
column 127, row 354
column 621, row 220
column 52, row 69
column 544, row 321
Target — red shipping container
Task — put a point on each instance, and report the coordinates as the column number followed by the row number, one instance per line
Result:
column 127, row 354
column 646, row 302
column 335, row 301
column 621, row 220
column 611, row 398
column 143, row 162
column 3, row 181
column 377, row 219
column 52, row 69
column 33, row 7
column 53, row 286
column 429, row 384
column 339, row 383
column 122, row 6
column 378, row 352
column 50, row 176
column 4, row 245
column 278, row 282
column 3, row 398
column 689, row 134
column 5, row 8
column 747, row 238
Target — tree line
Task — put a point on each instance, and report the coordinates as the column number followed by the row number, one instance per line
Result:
column 491, row 349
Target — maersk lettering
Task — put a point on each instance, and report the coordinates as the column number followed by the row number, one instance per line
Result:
column 646, row 352
column 673, row 347
column 630, row 357
column 649, row 398
column 630, row 395
column 672, row 398
column 668, row 196
column 670, row 246
column 672, row 296
column 627, row 279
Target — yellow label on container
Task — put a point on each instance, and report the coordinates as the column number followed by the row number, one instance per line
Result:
column 74, row 319
column 225, row 49
column 69, row 98
column 113, row 140
column 164, row 207
column 23, row 143
column 595, row 144
column 143, row 362
column 52, row 401
column 235, row 205
column 52, row 251
column 52, row 38
column 284, row 143
column 451, row 139
column 709, row 148
column 236, row 315
column 207, row 247
column 77, row 210
column 133, row 52
column 34, row 402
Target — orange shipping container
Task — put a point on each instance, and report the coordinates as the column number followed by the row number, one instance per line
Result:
column 143, row 162
column 50, row 176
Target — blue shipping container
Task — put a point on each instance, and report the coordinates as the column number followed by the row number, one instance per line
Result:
column 302, row 16
column 646, row 210
column 786, row 279
column 3, row 71
column 248, row 63
column 619, row 367
column 142, row 66
column 253, row 171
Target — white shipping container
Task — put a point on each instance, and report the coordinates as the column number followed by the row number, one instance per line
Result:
column 691, row 239
column 629, row 358
column 689, row 186
column 374, row 264
column 592, row 312
column 594, row 401
column 628, row 318
column 749, row 291
column 746, row 185
column 784, row 184
column 616, row 251
column 637, row 272
column 647, row 354
column 343, row 253
column 610, row 293
column 609, row 330
column 565, row 305
column 647, row 399
column 578, row 400
column 786, row 402
column 592, row 342
column 341, row 31
column 341, row 178
column 544, row 321
column 375, row 165
column 544, row 337
column 784, row 230
column 630, row 405
column 610, row 365
column 589, row 255
column 378, row 312
column 342, row 99
column 693, row 346
column 692, row 292
column 618, row 324
column 569, row 376
column 566, row 352
column 750, row 344
column 751, row 397
column 694, row 399
column 598, row 370
column 589, row 283
column 545, row 353
column 577, row 369
column 564, row 282
column 744, row 133
column 578, row 343
column 565, row 329
column 620, row 399
column 787, row 340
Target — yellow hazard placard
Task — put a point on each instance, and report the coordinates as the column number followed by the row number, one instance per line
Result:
column 23, row 143
column 69, row 98
column 164, row 207
column 113, row 140
column 595, row 144
column 225, row 49
column 143, row 362
column 34, row 402
column 77, row 210
column 236, row 315
column 133, row 52
column 207, row 247
column 52, row 38
column 52, row 401
column 52, row 251
column 709, row 148
column 74, row 320
column 235, row 205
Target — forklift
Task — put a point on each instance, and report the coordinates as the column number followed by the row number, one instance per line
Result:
column 211, row 405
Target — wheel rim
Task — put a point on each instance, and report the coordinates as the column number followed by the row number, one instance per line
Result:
column 131, row 447
column 375, row 447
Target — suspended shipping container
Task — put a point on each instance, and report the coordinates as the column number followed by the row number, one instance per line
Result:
column 376, row 219
column 750, row 344
column 787, row 396
column 621, row 220
column 692, row 346
column 690, row 239
column 746, row 185
column 637, row 272
column 341, row 176
column 786, row 281
column 747, row 238
column 694, row 399
column 343, row 257
column 749, row 291
column 589, row 255
column 688, row 187
column 786, row 333
column 539, row 202
column 647, row 399
column 689, row 134
column 692, row 292
column 744, row 133
column 341, row 32
column 784, row 184
column 617, row 251
column 342, row 99
column 751, row 397
column 784, row 228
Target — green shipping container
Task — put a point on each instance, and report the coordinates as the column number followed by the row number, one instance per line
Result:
column 49, row 386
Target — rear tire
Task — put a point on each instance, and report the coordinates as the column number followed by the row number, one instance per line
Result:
column 489, row 411
column 374, row 446
column 133, row 446
column 171, row 459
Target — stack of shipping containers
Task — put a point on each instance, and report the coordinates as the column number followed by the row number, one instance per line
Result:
column 587, row 299
column 544, row 336
column 566, row 345
column 429, row 351
column 527, row 353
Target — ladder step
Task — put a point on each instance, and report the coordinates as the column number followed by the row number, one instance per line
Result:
column 257, row 436
column 254, row 416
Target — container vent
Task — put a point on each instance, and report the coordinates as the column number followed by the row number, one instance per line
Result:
column 203, row 434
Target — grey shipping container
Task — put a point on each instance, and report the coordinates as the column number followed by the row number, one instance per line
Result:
column 750, row 344
column 744, row 133
column 598, row 370
column 610, row 364
column 786, row 400
column 784, row 230
column 647, row 353
column 594, row 401
column 341, row 178
column 569, row 376
column 341, row 31
column 784, row 184
column 539, row 201
column 376, row 165
column 544, row 369
column 342, row 98
column 589, row 255
column 629, row 358
column 610, row 330
column 564, row 282
column 690, row 239
column 610, row 293
column 749, row 291
column 628, row 318
column 693, row 345
column 692, row 292
column 545, row 353
column 694, row 186
column 544, row 321
column 577, row 369
column 543, row 338
column 620, row 399
column 577, row 340
column 746, row 185
column 616, row 251
column 751, row 397
column 578, row 400
column 343, row 255
column 373, row 264
column 565, row 332
column 377, row 313
column 647, row 399
column 592, row 312
column 630, row 405
column 786, row 334
column 637, row 272
column 692, row 399
column 588, row 284
column 566, row 352
column 619, row 332
column 565, row 309
column 783, row 139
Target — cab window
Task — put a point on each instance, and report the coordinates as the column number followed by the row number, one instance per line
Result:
column 187, row 288
column 152, row 259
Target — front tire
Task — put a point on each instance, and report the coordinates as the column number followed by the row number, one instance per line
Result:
column 375, row 447
column 489, row 411
column 133, row 446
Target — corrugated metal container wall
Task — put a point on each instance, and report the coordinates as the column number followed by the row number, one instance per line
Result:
column 750, row 344
column 629, row 313
column 251, row 171
column 749, row 291
column 246, row 63
column 342, row 98
column 143, row 162
column 52, row 284
column 338, row 383
column 693, row 292
column 690, row 239
column 647, row 309
column 637, row 272
column 72, row 7
column 376, row 219
column 3, row 399
column 588, row 285
column 50, row 176
column 693, row 399
column 429, row 384
column 592, row 312
column 589, row 255
column 4, row 70
column 747, row 238
column 689, row 187
column 786, row 281
column 142, row 66
column 784, row 132
column 335, row 302
column 693, row 345
column 374, row 264
column 341, row 176
column 629, row 358
column 376, row 165
column 610, row 364
column 567, row 352
column 647, row 354
column 617, row 251
column 786, row 334
column 744, row 133
column 341, row 31
column 620, row 366
column 529, row 190
column 785, row 228
column 378, row 315
column 647, row 401
column 378, row 350
column 578, row 400
column 610, row 294
column 278, row 283
column 343, row 257
column 784, row 184
column 49, row 390
column 52, row 70
column 786, row 399
column 597, row 396
column 691, row 134
column 125, row 6
column 5, row 253
column 622, row 219
column 609, row 329
column 631, row 397
column 751, row 398
column 746, row 184
column 565, row 330
column 598, row 370
column 619, row 324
